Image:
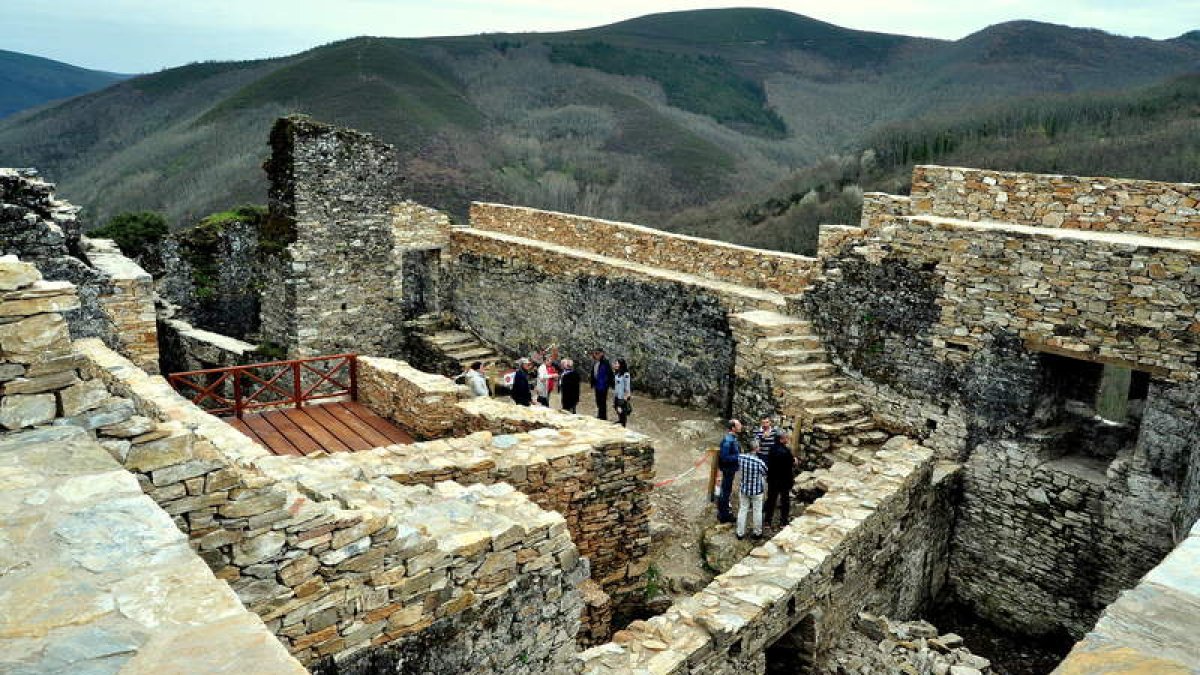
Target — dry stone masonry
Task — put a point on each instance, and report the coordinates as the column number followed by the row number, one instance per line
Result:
column 994, row 383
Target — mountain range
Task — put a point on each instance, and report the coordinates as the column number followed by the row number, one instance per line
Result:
column 649, row 119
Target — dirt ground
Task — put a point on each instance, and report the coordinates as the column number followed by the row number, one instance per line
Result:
column 682, row 438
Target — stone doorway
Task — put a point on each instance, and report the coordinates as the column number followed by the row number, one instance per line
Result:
column 795, row 652
column 420, row 282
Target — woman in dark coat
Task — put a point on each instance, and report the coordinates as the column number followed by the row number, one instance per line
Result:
column 522, row 391
column 568, row 386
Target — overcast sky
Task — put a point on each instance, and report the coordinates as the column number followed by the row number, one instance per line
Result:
column 147, row 35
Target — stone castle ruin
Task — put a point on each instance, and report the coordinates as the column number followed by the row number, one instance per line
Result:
column 994, row 380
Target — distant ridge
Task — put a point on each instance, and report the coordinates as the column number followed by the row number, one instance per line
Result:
column 27, row 81
column 637, row 120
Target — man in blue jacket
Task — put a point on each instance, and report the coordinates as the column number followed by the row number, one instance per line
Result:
column 602, row 380
column 727, row 461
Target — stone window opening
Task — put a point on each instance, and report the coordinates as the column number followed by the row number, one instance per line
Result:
column 1089, row 409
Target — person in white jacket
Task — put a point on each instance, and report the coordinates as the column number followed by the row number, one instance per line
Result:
column 476, row 382
column 547, row 377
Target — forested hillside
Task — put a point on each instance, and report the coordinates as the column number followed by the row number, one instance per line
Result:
column 641, row 120
column 1153, row 133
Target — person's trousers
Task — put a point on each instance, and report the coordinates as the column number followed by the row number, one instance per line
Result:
column 724, row 514
column 745, row 505
column 602, row 403
column 782, row 493
column 622, row 416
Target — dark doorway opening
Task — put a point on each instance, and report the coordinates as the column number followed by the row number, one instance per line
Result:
column 795, row 652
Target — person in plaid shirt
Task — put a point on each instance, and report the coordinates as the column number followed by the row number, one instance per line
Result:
column 753, row 485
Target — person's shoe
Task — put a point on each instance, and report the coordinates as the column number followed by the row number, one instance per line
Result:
column 758, row 535
column 740, row 537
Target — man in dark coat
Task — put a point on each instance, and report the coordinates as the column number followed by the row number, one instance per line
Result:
column 522, row 392
column 568, row 386
column 602, row 381
column 781, row 465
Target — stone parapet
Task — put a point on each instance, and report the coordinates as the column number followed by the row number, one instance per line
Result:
column 186, row 347
column 338, row 556
column 781, row 272
column 129, row 305
column 1049, row 200
column 98, row 579
column 816, row 574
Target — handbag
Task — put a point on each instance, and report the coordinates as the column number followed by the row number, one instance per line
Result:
column 626, row 407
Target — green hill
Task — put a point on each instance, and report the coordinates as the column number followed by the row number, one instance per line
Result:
column 638, row 120
column 1152, row 133
column 29, row 81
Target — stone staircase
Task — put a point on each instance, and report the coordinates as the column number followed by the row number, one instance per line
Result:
column 450, row 351
column 797, row 380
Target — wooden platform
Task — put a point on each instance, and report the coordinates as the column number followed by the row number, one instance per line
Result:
column 329, row 427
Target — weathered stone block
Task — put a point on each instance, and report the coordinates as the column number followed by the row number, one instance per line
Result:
column 26, row 410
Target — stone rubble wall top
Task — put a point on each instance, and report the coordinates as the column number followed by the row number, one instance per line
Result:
column 774, row 270
column 1048, row 200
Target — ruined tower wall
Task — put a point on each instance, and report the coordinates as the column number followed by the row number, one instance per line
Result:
column 333, row 287
column 1068, row 202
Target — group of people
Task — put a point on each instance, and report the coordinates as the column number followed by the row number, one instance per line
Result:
column 767, row 468
column 530, row 384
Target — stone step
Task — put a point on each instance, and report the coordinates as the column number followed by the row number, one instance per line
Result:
column 474, row 352
column 789, row 357
column 822, row 399
column 864, row 423
column 798, row 385
column 867, row 438
column 836, row 413
column 769, row 324
column 812, row 370
column 793, row 342
column 451, row 337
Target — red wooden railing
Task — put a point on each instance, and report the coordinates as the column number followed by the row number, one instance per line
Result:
column 236, row 389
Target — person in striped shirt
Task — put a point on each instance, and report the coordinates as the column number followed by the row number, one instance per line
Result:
column 753, row 486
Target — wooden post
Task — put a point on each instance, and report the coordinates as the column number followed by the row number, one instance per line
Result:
column 237, row 394
column 353, row 376
column 297, row 389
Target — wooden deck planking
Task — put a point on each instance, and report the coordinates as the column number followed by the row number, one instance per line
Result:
column 330, row 427
column 346, row 433
column 394, row 433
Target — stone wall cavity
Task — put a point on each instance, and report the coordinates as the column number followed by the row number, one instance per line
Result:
column 1069, row 202
column 782, row 272
column 873, row 541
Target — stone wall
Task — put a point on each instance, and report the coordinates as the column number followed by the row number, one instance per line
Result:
column 1151, row 628
column 325, row 549
column 185, row 347
column 521, row 297
column 1045, row 541
column 331, row 204
column 782, row 272
column 129, row 303
column 596, row 475
column 80, row 537
column 875, row 540
column 1069, row 202
column 952, row 327
column 211, row 274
